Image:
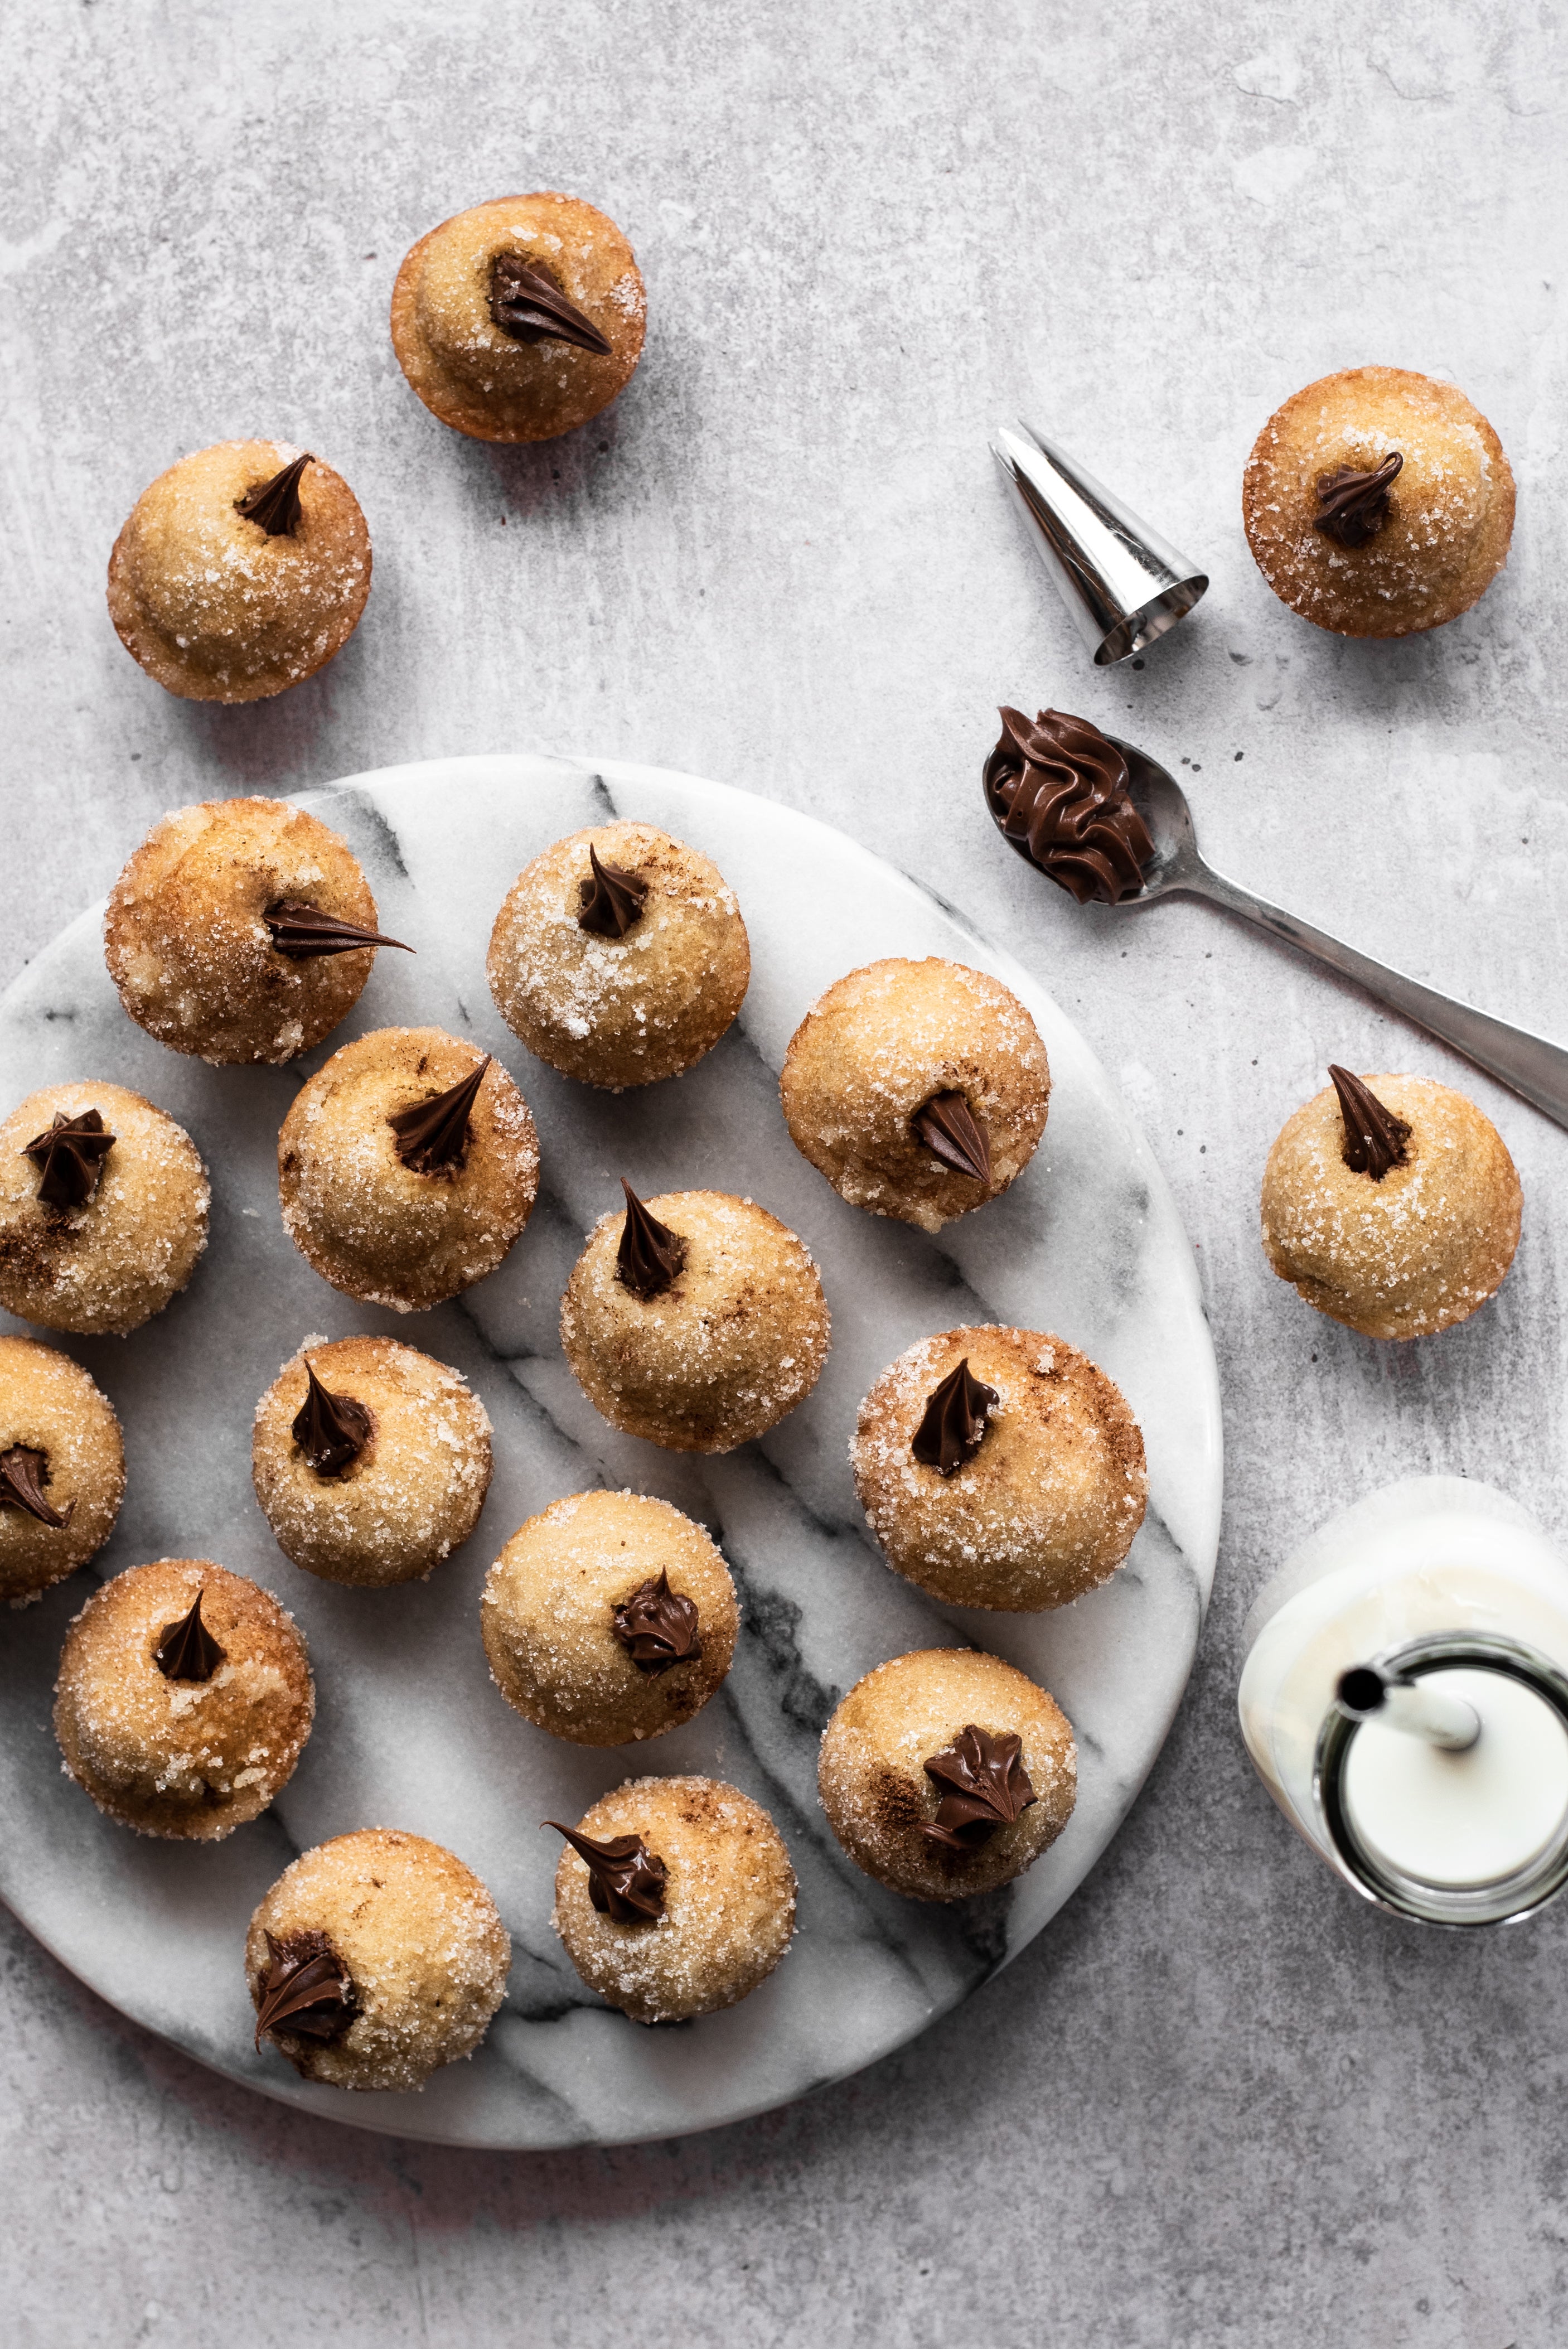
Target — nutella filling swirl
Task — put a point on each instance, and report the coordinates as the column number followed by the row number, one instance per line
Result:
column 1057, row 789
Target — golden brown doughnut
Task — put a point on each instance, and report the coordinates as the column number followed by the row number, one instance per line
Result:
column 618, row 1005
column 898, row 1042
column 218, row 605
column 1033, row 1483
column 382, row 1217
column 62, row 1468
column 101, row 1226
column 730, row 1339
column 524, row 384
column 609, row 1616
column 897, row 1819
column 192, row 1747
column 376, row 1468
column 1408, row 546
column 713, row 1870
column 189, row 944
column 1402, row 1253
column 385, row 1955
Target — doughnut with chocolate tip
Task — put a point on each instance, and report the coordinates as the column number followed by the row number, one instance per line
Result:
column 1391, row 1204
column 240, row 930
column 406, row 1168
column 62, row 1468
column 103, row 1209
column 919, row 1089
column 619, row 956
column 947, row 1772
column 1379, row 502
column 999, row 1467
column 695, row 1319
column 609, row 1616
column 370, row 1462
column 520, row 318
column 241, row 571
column 184, row 1699
column 675, row 1897
column 376, row 1958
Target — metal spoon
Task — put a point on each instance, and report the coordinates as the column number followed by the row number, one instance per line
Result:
column 1531, row 1065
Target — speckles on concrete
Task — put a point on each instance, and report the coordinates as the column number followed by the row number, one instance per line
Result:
column 1220, row 2105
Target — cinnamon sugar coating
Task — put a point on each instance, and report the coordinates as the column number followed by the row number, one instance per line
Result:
column 483, row 381
column 383, row 1231
column 729, row 1900
column 879, row 1045
column 188, row 948
column 414, row 1493
column 879, row 1800
column 49, row 1405
column 548, row 1617
column 103, row 1268
column 628, row 1011
column 1410, row 1253
column 212, row 607
column 1450, row 511
column 1046, row 1505
column 426, row 1950
column 190, row 1760
column 736, row 1342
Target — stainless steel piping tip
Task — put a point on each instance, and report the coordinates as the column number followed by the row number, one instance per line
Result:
column 1123, row 584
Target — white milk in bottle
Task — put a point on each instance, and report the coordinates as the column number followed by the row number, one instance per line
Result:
column 1457, row 1603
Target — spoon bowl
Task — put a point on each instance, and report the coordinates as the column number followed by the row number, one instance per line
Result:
column 1168, row 819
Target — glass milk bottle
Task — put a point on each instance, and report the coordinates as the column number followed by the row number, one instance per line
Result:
column 1405, row 1699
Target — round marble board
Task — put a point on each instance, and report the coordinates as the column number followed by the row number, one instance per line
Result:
column 410, row 1730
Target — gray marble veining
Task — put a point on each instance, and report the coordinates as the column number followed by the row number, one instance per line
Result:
column 410, row 1730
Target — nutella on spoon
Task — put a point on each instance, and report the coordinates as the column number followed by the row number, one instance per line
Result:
column 1057, row 789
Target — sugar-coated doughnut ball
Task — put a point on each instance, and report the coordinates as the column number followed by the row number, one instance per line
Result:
column 103, row 1209
column 198, row 962
column 947, row 1772
column 520, row 318
column 696, row 1912
column 1379, row 502
column 184, row 1699
column 999, row 1468
column 1398, row 1250
column 62, row 1468
column 619, row 956
column 609, row 1616
column 406, row 1168
column 733, row 1339
column 376, row 1958
column 370, row 1460
column 919, row 1089
column 220, row 604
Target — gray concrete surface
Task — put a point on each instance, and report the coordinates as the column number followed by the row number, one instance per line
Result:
column 1219, row 2106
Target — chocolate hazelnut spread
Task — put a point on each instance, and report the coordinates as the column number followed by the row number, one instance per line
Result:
column 956, row 1416
column 331, row 1430
column 985, row 1786
column 1057, row 789
column 70, row 1158
column 1356, row 505
column 1374, row 1138
column 650, row 1255
column 657, row 1626
column 625, row 1879
column 434, row 1135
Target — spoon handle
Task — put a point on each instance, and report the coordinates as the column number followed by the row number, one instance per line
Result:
column 1531, row 1065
